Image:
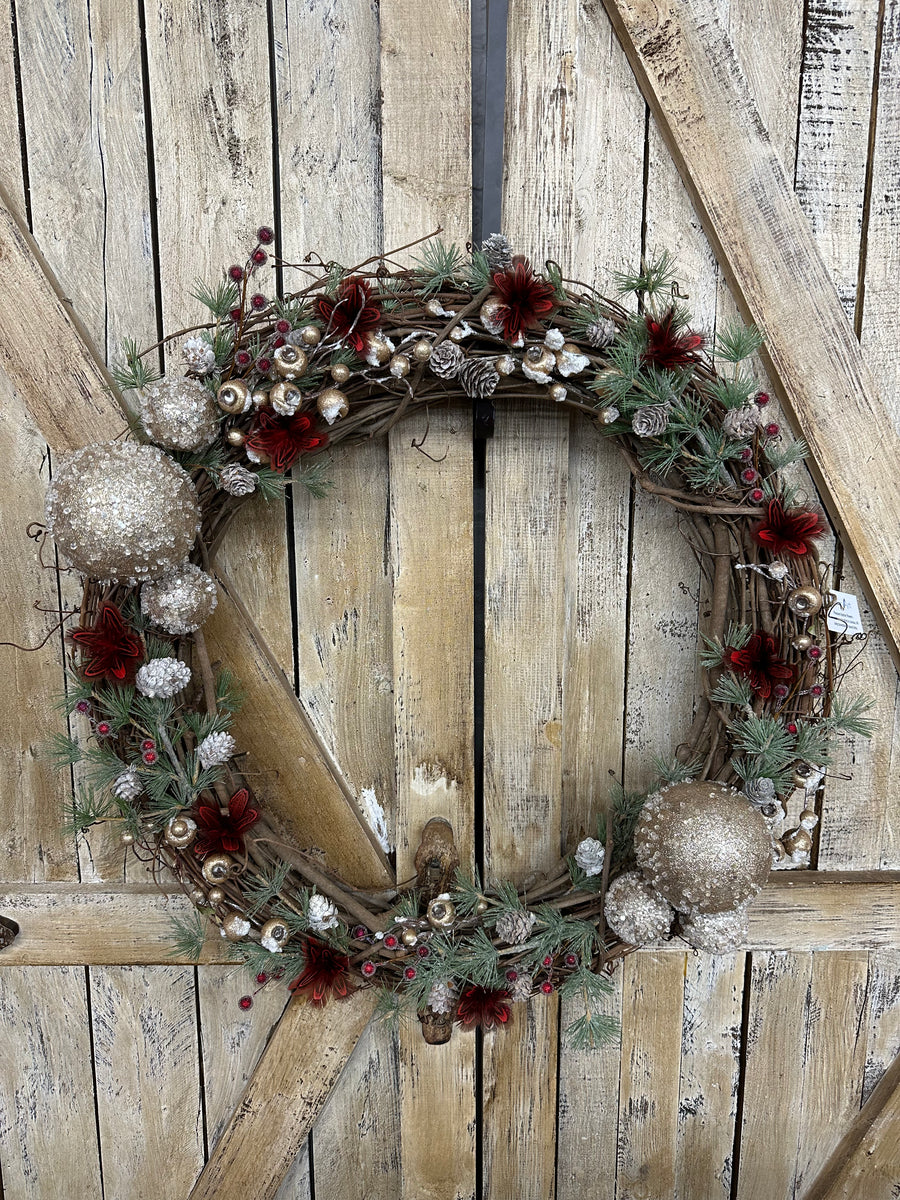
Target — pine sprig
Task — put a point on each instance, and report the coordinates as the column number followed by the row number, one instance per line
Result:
column 655, row 277
column 737, row 341
column 188, row 934
column 316, row 478
column 440, row 264
column 219, row 299
column 134, row 373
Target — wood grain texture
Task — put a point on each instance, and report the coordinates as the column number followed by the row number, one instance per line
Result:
column 688, row 71
column 48, row 1134
column 296, row 1073
column 148, row 1091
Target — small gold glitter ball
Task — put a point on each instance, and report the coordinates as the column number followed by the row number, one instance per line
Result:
column 310, row 335
column 422, row 351
column 235, row 926
column 289, row 362
column 804, row 601
column 441, row 914
column 285, row 398
column 127, row 839
column 233, row 397
column 275, row 931
column 235, row 437
column 377, row 351
column 409, row 937
column 481, row 907
column 802, row 642
column 399, row 366
column 217, row 867
column 703, row 846
column 122, row 511
column 332, row 405
column 179, row 413
column 198, row 896
column 216, row 895
column 340, row 372
column 181, row 600
column 557, row 393
column 180, row 832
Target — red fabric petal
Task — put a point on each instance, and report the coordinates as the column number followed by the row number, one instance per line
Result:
column 667, row 348
column 788, row 531
column 110, row 650
column 284, row 439
column 526, row 297
column 325, row 975
column 352, row 315
column 760, row 662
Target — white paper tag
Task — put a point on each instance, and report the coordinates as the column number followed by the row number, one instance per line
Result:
column 843, row 616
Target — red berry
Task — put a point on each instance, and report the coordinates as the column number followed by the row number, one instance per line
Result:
column 757, row 496
column 83, row 706
column 816, row 690
column 422, row 951
column 548, row 960
column 359, row 932
column 245, row 1002
column 236, row 273
column 148, row 744
column 762, row 398
column 259, row 257
column 791, row 727
column 258, row 300
column 149, row 757
column 283, row 326
column 749, row 475
column 242, row 358
column 391, row 942
column 409, row 973
column 780, row 690
column 368, row 968
column 266, row 235
column 512, row 975
column 746, row 454
column 773, row 429
column 103, row 728
column 547, row 987
column 815, row 653
column 236, row 314
column 263, row 364
column 278, row 342
column 262, row 977
column 571, row 960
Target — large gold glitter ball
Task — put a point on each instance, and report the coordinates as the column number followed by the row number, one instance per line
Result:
column 181, row 600
column 122, row 511
column 703, row 846
column 180, row 413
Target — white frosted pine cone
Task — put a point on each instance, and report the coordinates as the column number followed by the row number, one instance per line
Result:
column 128, row 785
column 445, row 360
column 651, row 420
column 163, row 677
column 590, row 855
column 323, row 914
column 515, row 927
column 442, row 997
column 198, row 355
column 601, row 333
column 741, row 423
column 498, row 252
column 215, row 750
column 520, row 988
column 237, row 480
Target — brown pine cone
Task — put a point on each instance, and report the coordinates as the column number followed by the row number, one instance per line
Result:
column 446, row 360
column 479, row 377
column 515, row 927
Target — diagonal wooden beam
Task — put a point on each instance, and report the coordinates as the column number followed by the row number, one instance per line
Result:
column 688, row 71
column 73, row 401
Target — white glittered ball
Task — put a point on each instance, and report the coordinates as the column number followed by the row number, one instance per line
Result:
column 122, row 511
column 181, row 600
column 719, row 933
column 703, row 846
column 180, row 413
column 635, row 912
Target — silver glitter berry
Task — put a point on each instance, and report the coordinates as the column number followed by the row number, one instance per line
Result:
column 122, row 511
column 635, row 912
column 703, row 846
column 181, row 600
column 590, row 855
column 163, row 677
column 216, row 750
column 180, row 414
column 237, row 480
column 198, row 355
column 718, row 933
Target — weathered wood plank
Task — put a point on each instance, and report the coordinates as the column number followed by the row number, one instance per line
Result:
column 687, row 69
column 148, row 1091
column 48, row 1133
column 296, row 1073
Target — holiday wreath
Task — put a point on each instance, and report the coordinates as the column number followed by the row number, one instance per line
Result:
column 270, row 384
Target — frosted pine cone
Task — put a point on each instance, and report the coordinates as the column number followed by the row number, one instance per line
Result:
column 601, row 333
column 163, row 677
column 445, row 360
column 128, row 785
column 237, row 480
column 590, row 855
column 498, row 252
column 479, row 377
column 323, row 915
column 442, row 997
column 741, row 423
column 515, row 927
column 760, row 792
column 216, row 750
column 520, row 988
column 651, row 420
column 198, row 355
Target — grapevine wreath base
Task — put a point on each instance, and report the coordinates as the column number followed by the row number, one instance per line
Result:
column 271, row 384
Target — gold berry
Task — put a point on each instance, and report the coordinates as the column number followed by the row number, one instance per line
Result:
column 340, row 372
column 422, row 351
column 235, row 437
column 310, row 335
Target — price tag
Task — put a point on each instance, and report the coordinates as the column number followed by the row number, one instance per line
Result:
column 843, row 615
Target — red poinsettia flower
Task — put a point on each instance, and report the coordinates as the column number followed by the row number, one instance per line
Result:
column 326, row 974
column 486, row 1007
column 788, row 531
column 761, row 663
column 525, row 299
column 224, row 832
column 352, row 315
column 283, row 439
column 111, row 650
column 667, row 348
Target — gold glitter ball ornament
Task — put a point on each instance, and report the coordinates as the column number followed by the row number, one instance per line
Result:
column 703, row 846
column 804, row 601
column 122, row 512
column 717, row 933
column 635, row 911
column 233, row 397
column 180, row 832
column 217, row 867
column 179, row 413
column 181, row 600
column 216, row 895
column 441, row 913
column 235, row 926
column 274, row 932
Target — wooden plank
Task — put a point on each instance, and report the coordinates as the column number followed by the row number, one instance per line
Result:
column 11, row 177
column 687, row 69
column 883, row 1016
column 148, row 1091
column 296, row 1073
column 652, row 1002
column 48, row 1132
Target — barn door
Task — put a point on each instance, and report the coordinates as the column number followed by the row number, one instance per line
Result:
column 349, row 125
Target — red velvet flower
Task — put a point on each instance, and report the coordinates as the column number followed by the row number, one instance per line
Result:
column 325, row 975
column 666, row 347
column 220, row 832
column 525, row 296
column 111, row 651
column 486, row 1007
column 352, row 315
column 788, row 531
column 761, row 663
column 283, row 439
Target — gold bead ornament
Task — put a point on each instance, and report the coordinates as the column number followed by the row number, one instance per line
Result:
column 180, row 832
column 804, row 601
column 235, row 437
column 310, row 335
column 235, row 926
column 289, row 362
column 233, row 397
column 421, row 351
column 217, row 867
column 340, row 372
column 274, row 931
column 441, row 913
column 409, row 937
column 216, row 895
